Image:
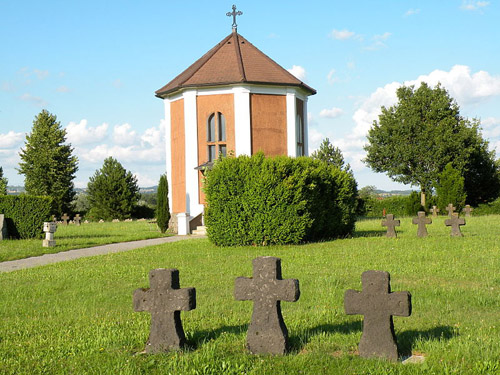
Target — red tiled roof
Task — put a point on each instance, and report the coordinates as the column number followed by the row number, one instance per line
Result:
column 233, row 60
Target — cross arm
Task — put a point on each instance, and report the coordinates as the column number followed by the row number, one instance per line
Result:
column 184, row 299
column 141, row 302
column 353, row 302
column 400, row 303
column 288, row 290
column 243, row 289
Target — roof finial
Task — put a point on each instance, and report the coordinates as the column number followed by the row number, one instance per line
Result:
column 234, row 13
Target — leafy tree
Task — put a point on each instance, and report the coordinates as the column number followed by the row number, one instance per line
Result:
column 48, row 164
column 162, row 207
column 112, row 192
column 450, row 188
column 413, row 204
column 415, row 139
column 3, row 183
column 331, row 155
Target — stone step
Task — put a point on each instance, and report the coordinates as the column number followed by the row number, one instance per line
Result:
column 200, row 231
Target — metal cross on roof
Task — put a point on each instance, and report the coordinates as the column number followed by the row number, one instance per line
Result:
column 234, row 13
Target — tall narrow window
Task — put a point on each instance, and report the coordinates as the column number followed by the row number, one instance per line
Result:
column 216, row 136
column 300, row 135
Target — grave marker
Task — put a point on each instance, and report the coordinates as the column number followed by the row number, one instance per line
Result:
column 267, row 333
column 391, row 225
column 450, row 209
column 3, row 228
column 165, row 301
column 378, row 304
column 65, row 219
column 435, row 211
column 421, row 221
column 49, row 228
column 468, row 210
column 77, row 219
column 455, row 222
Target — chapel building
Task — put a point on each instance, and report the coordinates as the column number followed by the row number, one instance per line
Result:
column 236, row 100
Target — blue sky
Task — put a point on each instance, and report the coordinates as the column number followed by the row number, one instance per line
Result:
column 96, row 65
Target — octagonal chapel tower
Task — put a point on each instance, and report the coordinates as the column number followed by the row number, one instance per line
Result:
column 233, row 99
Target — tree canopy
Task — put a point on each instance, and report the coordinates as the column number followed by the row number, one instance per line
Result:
column 415, row 139
column 331, row 155
column 112, row 192
column 3, row 183
column 162, row 207
column 48, row 164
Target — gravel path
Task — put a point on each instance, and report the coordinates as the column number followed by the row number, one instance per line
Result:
column 14, row 265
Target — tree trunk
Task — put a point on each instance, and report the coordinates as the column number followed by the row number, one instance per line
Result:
column 422, row 197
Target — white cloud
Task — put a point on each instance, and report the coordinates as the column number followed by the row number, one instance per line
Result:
column 123, row 136
column 145, row 181
column 331, row 77
column 41, row 74
column 80, row 134
column 343, row 35
column 11, row 140
column 299, row 72
column 63, row 89
column 411, row 12
column 378, row 42
column 35, row 100
column 491, row 127
column 472, row 5
column 331, row 113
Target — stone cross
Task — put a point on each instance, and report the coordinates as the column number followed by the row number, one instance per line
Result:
column 435, row 211
column 234, row 13
column 455, row 222
column 3, row 228
column 468, row 210
column 391, row 225
column 378, row 305
column 421, row 221
column 267, row 333
column 450, row 209
column 49, row 228
column 77, row 219
column 65, row 219
column 165, row 301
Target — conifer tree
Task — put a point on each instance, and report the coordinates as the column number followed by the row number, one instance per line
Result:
column 47, row 163
column 450, row 188
column 331, row 155
column 3, row 183
column 162, row 207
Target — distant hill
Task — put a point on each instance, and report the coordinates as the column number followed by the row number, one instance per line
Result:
column 384, row 193
column 15, row 190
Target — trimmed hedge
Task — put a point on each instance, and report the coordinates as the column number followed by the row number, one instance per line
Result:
column 491, row 208
column 25, row 215
column 254, row 200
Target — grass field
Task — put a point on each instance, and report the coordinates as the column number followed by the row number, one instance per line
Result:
column 77, row 317
column 70, row 237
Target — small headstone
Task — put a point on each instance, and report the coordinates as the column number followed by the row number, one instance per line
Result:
column 435, row 211
column 165, row 301
column 77, row 219
column 450, row 210
column 455, row 222
column 116, row 221
column 267, row 333
column 391, row 225
column 101, row 221
column 141, row 219
column 49, row 228
column 421, row 221
column 54, row 218
column 65, row 219
column 86, row 222
column 3, row 228
column 128, row 220
column 378, row 305
column 468, row 210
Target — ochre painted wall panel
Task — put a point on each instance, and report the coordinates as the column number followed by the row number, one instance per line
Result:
column 178, row 156
column 268, row 121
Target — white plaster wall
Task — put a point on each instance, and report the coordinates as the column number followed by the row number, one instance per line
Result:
column 291, row 114
column 242, row 130
column 168, row 148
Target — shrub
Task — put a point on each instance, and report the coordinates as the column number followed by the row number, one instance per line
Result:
column 162, row 208
column 450, row 188
column 491, row 208
column 413, row 204
column 25, row 214
column 393, row 205
column 281, row 200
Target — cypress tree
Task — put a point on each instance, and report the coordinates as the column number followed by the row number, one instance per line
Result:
column 3, row 183
column 162, row 207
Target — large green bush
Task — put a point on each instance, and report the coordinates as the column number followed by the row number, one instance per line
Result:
column 25, row 214
column 280, row 200
column 396, row 205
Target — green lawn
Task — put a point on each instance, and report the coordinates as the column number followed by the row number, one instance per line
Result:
column 77, row 317
column 75, row 237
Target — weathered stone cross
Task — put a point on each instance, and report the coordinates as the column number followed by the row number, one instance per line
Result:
column 65, row 219
column 435, row 211
column 164, row 300
column 77, row 219
column 421, row 221
column 267, row 332
column 468, row 210
column 234, row 13
column 450, row 209
column 455, row 222
column 391, row 225
column 378, row 305
column 49, row 228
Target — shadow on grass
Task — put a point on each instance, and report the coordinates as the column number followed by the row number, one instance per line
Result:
column 85, row 236
column 200, row 337
column 406, row 340
column 369, row 233
column 297, row 342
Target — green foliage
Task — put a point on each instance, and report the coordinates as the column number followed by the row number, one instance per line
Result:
column 413, row 204
column 396, row 205
column 81, row 203
column 280, row 200
column 331, row 155
column 450, row 188
column 365, row 200
column 112, row 192
column 25, row 214
column 490, row 208
column 162, row 207
column 48, row 164
column 415, row 139
column 3, row 183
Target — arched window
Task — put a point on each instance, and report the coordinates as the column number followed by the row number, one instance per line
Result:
column 216, row 136
column 299, row 126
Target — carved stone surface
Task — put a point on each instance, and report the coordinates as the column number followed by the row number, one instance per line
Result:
column 77, row 219
column 435, row 211
column 65, row 219
column 450, row 210
column 468, row 210
column 49, row 228
column 165, row 301
column 421, row 221
column 391, row 225
column 378, row 305
column 267, row 333
column 455, row 222
column 3, row 228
